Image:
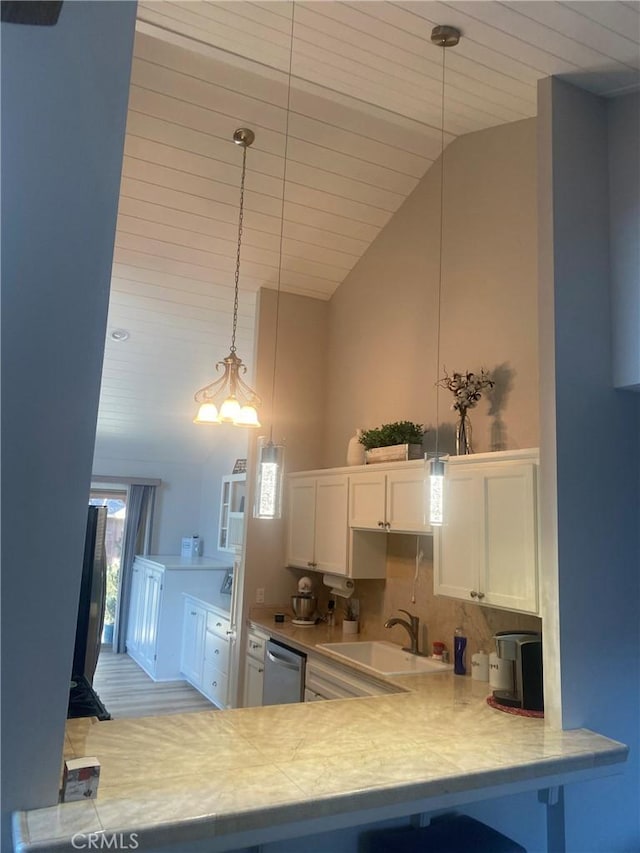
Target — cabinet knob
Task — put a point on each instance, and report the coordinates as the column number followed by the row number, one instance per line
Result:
column 260, row 669
column 218, row 624
column 481, row 595
column 381, row 524
column 229, row 632
column 214, row 683
column 216, row 652
column 193, row 613
column 255, row 645
column 387, row 526
column 473, row 593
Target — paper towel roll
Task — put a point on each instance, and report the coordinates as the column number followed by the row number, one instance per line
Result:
column 500, row 672
column 480, row 666
column 343, row 587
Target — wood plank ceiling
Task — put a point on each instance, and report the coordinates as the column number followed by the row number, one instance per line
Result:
column 364, row 125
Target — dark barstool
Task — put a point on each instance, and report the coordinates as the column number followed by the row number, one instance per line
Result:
column 445, row 834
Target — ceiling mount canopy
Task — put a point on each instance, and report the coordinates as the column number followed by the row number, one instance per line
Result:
column 229, row 399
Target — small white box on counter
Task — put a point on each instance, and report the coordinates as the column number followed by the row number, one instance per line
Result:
column 190, row 546
column 80, row 779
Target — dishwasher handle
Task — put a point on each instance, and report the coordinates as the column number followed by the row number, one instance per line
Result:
column 282, row 661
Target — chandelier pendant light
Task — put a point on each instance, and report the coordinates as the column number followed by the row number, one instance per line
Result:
column 444, row 37
column 229, row 399
column 267, row 502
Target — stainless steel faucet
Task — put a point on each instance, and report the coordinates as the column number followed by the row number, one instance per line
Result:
column 411, row 627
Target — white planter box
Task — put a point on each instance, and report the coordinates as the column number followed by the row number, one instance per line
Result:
column 394, row 453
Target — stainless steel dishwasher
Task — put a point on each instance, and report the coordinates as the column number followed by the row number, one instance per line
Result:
column 283, row 675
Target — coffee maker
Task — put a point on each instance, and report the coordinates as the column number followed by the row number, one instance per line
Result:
column 524, row 650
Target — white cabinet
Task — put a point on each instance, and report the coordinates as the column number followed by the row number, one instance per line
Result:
column 487, row 549
column 391, row 501
column 156, row 608
column 206, row 649
column 254, row 669
column 324, row 680
column 193, row 630
column 232, row 504
column 317, row 533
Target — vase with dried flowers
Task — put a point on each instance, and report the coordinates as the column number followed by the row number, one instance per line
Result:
column 467, row 389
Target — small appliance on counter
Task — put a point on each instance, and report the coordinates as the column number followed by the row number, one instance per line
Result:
column 304, row 604
column 524, row 650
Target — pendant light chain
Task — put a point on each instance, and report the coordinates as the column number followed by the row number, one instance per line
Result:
column 284, row 184
column 237, row 275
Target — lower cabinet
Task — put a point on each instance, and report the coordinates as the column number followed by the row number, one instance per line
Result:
column 254, row 669
column 324, row 680
column 205, row 650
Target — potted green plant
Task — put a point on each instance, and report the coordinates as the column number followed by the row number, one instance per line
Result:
column 391, row 442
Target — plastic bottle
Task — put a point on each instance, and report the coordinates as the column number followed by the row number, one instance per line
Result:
column 459, row 646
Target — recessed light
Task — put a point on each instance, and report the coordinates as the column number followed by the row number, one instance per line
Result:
column 120, row 335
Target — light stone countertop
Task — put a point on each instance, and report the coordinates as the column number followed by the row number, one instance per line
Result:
column 234, row 778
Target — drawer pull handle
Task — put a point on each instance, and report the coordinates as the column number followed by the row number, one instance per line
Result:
column 229, row 632
column 193, row 613
column 260, row 669
column 217, row 652
column 218, row 624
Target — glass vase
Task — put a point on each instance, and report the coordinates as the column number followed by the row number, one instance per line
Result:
column 463, row 434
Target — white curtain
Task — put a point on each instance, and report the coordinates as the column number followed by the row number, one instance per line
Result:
column 136, row 539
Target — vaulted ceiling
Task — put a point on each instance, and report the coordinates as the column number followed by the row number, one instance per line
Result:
column 364, row 125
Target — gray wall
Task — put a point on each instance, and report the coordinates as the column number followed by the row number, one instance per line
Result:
column 593, row 431
column 63, row 115
column 624, row 234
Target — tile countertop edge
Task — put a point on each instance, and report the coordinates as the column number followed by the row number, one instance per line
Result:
column 227, row 832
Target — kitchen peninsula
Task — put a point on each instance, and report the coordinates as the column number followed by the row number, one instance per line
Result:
column 224, row 780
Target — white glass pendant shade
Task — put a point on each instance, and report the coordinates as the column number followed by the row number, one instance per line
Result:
column 436, row 492
column 269, row 480
column 229, row 410
column 247, row 416
column 207, row 414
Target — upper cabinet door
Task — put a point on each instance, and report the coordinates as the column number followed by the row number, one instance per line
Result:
column 331, row 539
column 367, row 499
column 406, row 503
column 510, row 536
column 301, row 522
column 457, row 544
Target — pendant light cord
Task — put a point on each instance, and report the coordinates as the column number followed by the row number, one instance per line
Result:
column 444, row 50
column 284, row 184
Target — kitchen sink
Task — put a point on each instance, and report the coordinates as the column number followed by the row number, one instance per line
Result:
column 384, row 658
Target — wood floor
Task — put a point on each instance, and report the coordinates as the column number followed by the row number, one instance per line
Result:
column 127, row 691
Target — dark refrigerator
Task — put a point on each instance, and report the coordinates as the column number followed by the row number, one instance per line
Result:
column 83, row 700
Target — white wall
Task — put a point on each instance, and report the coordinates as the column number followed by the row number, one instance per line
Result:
column 383, row 361
column 592, row 435
column 624, row 234
column 188, row 499
column 64, row 103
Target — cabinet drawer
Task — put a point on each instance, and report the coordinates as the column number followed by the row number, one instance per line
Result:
column 218, row 624
column 215, row 684
column 216, row 651
column 256, row 645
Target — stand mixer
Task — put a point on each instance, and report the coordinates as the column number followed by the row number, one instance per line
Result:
column 304, row 604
